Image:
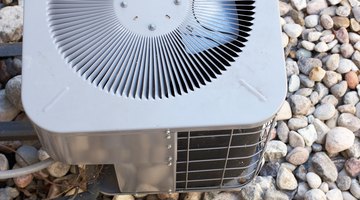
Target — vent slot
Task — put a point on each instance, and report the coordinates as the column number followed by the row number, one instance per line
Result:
column 102, row 51
column 219, row 159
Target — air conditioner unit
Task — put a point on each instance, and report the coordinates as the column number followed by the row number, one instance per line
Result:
column 176, row 95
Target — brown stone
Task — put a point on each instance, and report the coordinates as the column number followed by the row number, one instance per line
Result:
column 341, row 22
column 352, row 79
column 23, row 181
column 352, row 167
column 355, row 26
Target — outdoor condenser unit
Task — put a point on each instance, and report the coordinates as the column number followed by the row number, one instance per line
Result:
column 177, row 95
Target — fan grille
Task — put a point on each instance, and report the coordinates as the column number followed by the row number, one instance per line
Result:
column 89, row 35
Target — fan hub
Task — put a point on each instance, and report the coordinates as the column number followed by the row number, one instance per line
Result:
column 151, row 17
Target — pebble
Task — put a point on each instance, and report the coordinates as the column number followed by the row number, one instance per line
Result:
column 356, row 58
column 346, row 50
column 296, row 140
column 7, row 110
column 298, row 156
column 352, row 79
column 325, row 111
column 334, row 194
column 168, row 196
column 314, row 36
column 351, row 98
column 324, row 167
column 349, row 121
column 352, row 167
column 299, row 4
column 326, row 21
column 342, row 34
column 339, row 89
column 317, row 74
column 321, row 129
column 339, row 139
column 284, row 112
column 305, row 81
column 315, row 6
column 284, row 40
column 333, row 62
column 123, row 197
column 301, row 191
column 29, row 153
column 275, row 150
column 354, row 150
column 348, row 196
column 315, row 194
column 293, row 30
column 324, row 187
column 11, row 24
column 282, row 131
column 307, row 64
column 347, row 108
column 58, row 169
column 311, row 21
column 294, row 83
column 8, row 193
column 193, row 196
column 4, row 163
column 343, row 182
column 331, row 78
column 300, row 105
column 23, row 181
column 13, row 92
column 355, row 188
column 297, row 123
column 309, row 134
column 286, row 180
column 343, row 11
column 313, row 180
column 321, row 47
column 345, row 66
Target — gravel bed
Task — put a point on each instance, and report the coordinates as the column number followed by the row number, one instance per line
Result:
column 314, row 153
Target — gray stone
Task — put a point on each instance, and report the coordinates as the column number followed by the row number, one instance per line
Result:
column 315, row 6
column 355, row 188
column 345, row 65
column 26, row 155
column 296, row 140
column 304, row 92
column 324, row 187
column 308, row 45
column 305, row 81
column 339, row 89
column 313, row 180
column 356, row 12
column 343, row 11
column 339, row 139
column 8, row 193
column 351, row 98
column 292, row 30
column 7, row 110
column 303, row 53
column 316, row 147
column 275, row 150
column 333, row 62
column 331, row 78
column 270, row 169
column 307, row 64
column 331, row 99
column 13, row 92
column 347, row 108
column 298, row 156
column 325, row 111
column 321, row 89
column 275, row 195
column 297, row 123
column 348, row 196
column 282, row 131
column 58, row 169
column 311, row 21
column 346, row 50
column 292, row 67
column 11, row 24
column 343, row 182
column 286, row 180
column 354, row 150
column 324, row 167
column 321, row 130
column 4, row 163
column 249, row 192
column 299, row 4
column 334, row 194
column 294, row 83
column 300, row 105
column 315, row 194
column 301, row 172
column 301, row 190
column 349, row 121
column 321, row 47
column 309, row 134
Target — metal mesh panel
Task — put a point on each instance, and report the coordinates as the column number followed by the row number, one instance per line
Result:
column 221, row 159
